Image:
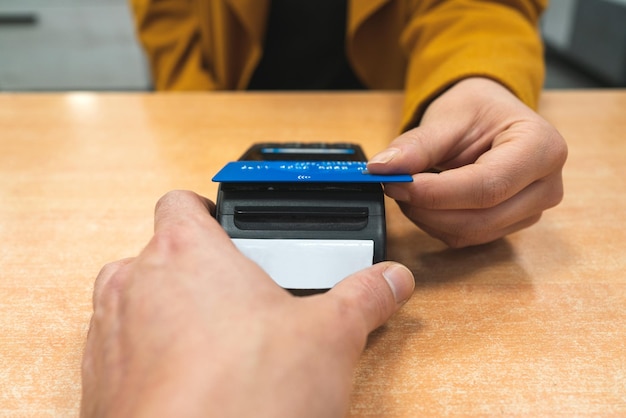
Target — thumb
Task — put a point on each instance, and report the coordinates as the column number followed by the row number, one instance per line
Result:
column 414, row 151
column 376, row 293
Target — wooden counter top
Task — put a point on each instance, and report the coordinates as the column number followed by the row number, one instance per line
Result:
column 532, row 325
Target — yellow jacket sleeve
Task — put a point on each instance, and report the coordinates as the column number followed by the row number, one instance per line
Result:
column 169, row 32
column 201, row 44
column 446, row 41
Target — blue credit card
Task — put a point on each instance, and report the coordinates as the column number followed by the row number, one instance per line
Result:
column 304, row 172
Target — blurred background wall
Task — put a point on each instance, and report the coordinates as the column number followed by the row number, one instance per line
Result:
column 585, row 43
column 51, row 45
column 69, row 45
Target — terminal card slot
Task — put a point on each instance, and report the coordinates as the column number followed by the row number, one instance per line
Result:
column 301, row 218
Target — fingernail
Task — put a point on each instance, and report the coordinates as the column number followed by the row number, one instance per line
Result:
column 401, row 282
column 397, row 192
column 385, row 156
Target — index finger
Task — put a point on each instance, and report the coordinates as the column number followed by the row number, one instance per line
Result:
column 480, row 185
column 181, row 207
column 519, row 158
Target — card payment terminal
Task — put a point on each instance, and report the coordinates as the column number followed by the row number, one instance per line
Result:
column 287, row 207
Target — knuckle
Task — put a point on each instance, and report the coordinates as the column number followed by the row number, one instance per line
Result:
column 168, row 241
column 106, row 293
column 531, row 220
column 458, row 241
column 169, row 200
column 108, row 280
column 561, row 152
column 453, row 241
column 493, row 190
column 432, row 197
column 556, row 194
column 557, row 148
column 466, row 233
column 108, row 270
column 166, row 199
column 115, row 284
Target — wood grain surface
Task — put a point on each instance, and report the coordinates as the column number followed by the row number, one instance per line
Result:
column 531, row 325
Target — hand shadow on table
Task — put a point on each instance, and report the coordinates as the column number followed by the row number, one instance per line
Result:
column 433, row 265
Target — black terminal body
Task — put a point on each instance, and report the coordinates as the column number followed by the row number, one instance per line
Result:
column 342, row 211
